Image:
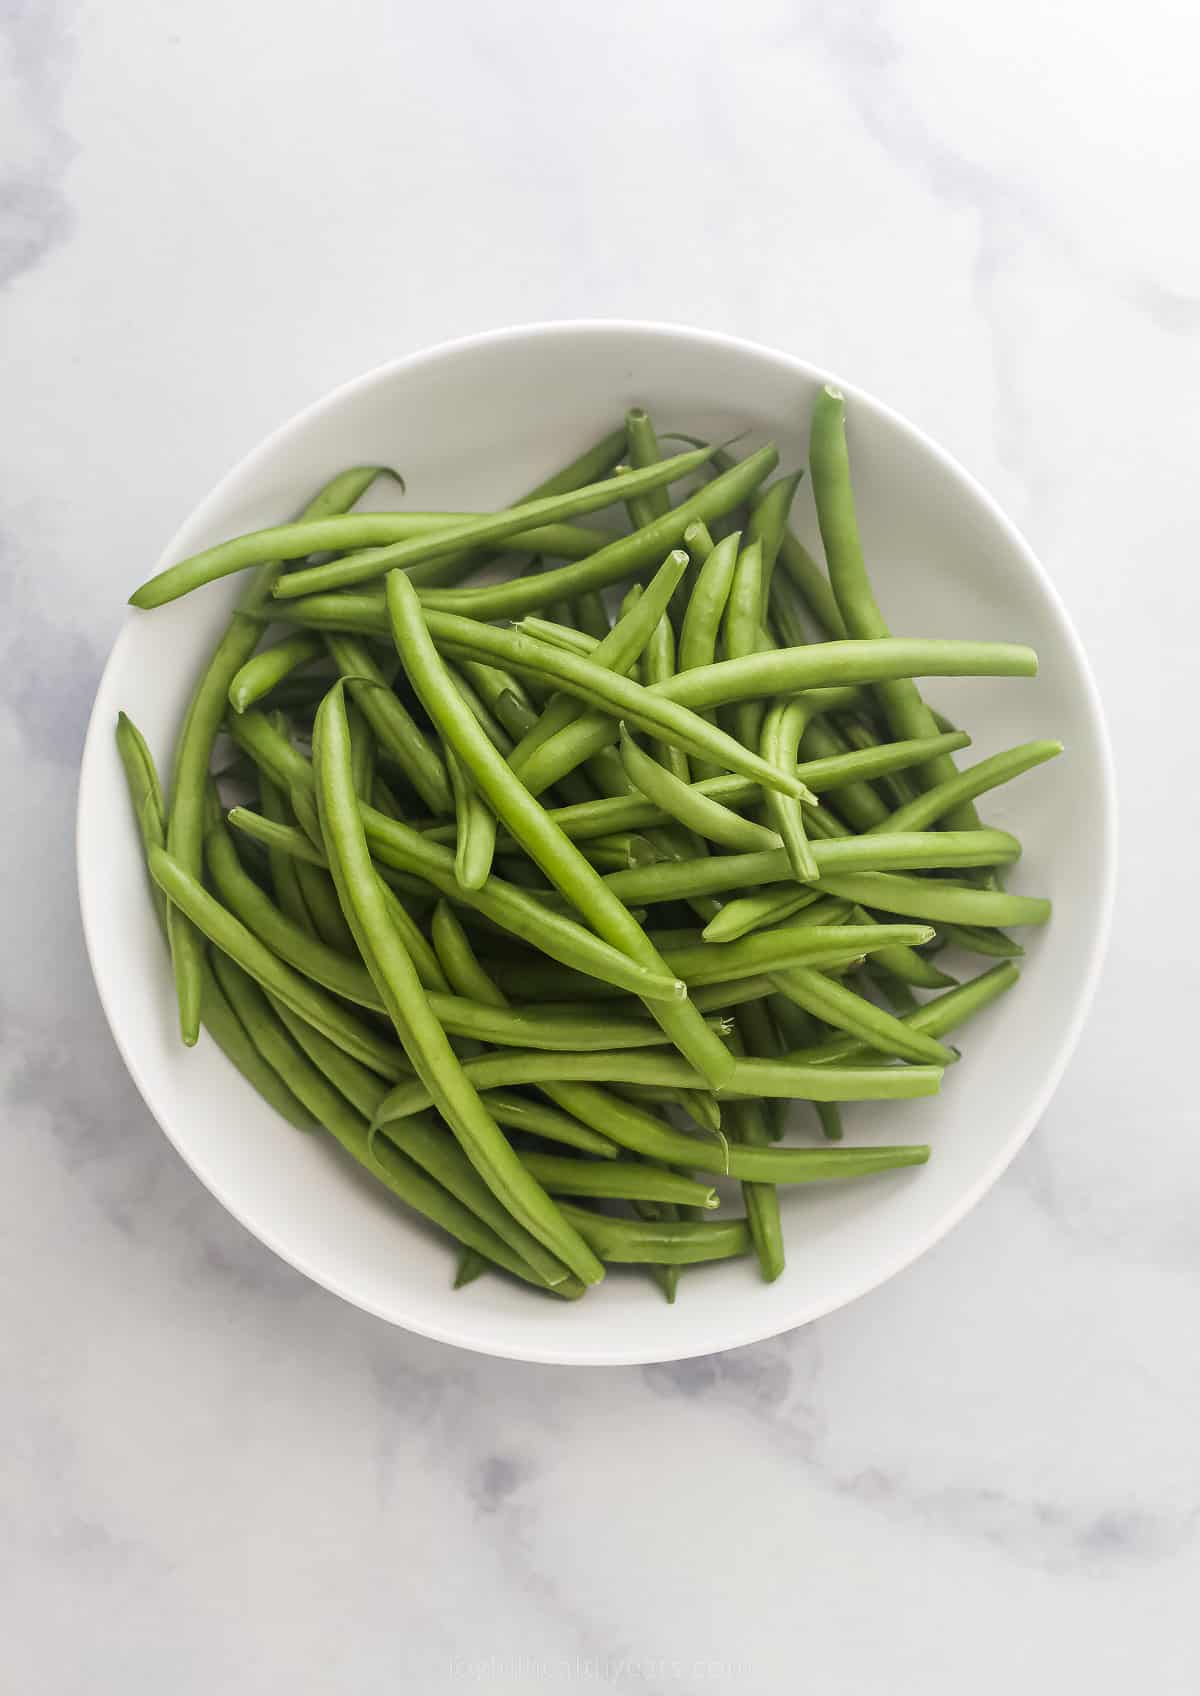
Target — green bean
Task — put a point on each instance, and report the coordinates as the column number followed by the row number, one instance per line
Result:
column 975, row 939
column 787, row 614
column 927, row 808
column 489, row 528
column 476, row 825
column 658, row 665
column 838, row 1006
column 486, row 719
column 320, row 1091
column 932, row 899
column 748, row 1124
column 937, row 1017
column 217, row 1016
column 749, row 1077
column 621, row 558
column 469, row 979
column 263, row 672
column 782, row 729
column 436, row 1152
column 654, row 710
column 193, row 751
column 786, row 946
column 591, row 465
column 768, row 906
column 674, row 798
column 471, row 1265
column 857, row 802
column 360, row 1086
column 257, row 960
column 743, row 633
column 686, row 1242
column 317, row 533
column 845, row 859
column 768, row 521
column 284, row 881
column 583, row 821
column 270, row 749
column 392, row 723
column 643, row 1134
column 624, row 1180
column 514, row 910
column 420, row 1033
column 320, row 898
column 362, row 753
column 618, row 651
column 551, row 1123
column 904, row 709
column 502, row 695
column 526, row 820
column 789, row 670
column 642, row 446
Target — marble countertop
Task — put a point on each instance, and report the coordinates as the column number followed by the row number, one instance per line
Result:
column 216, row 1477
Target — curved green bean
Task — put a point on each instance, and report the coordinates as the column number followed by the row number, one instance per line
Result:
column 622, row 558
column 256, row 959
column 677, row 799
column 782, row 730
column 926, row 809
column 527, row 822
column 420, row 1033
column 931, row 899
column 684, row 1242
column 395, row 727
column 935, row 1018
column 476, row 827
column 838, row 1006
column 263, row 672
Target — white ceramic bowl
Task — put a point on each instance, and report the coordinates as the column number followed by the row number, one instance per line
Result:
column 470, row 423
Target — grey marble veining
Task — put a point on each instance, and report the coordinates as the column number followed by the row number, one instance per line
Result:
column 215, row 1477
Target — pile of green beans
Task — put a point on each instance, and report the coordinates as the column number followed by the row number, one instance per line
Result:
column 545, row 923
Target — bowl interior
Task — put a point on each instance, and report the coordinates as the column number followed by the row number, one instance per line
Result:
column 469, row 425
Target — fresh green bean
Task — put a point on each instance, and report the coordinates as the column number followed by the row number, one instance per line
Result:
column 265, row 671
column 217, row 1016
column 393, row 724
column 193, row 751
column 654, row 710
column 749, row 1077
column 935, row 1018
column 514, row 910
column 471, row 1265
column 550, row 1123
column 677, row 799
column 900, row 698
column 685, row 1242
column 748, row 1124
column 295, row 990
column 934, row 803
column 476, row 827
column 642, row 446
column 318, row 533
column 487, row 529
column 558, row 731
column 932, row 899
column 621, row 558
column 743, row 634
column 845, row 858
column 526, row 820
column 768, row 906
column 782, row 730
column 768, row 521
column 434, row 1149
column 624, row 1180
column 838, row 1006
column 856, row 802
column 975, row 939
column 420, row 1033
column 284, row 881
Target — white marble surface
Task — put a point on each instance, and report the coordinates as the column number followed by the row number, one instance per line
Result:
column 216, row 1478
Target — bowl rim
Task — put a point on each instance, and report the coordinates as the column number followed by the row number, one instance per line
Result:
column 742, row 1335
